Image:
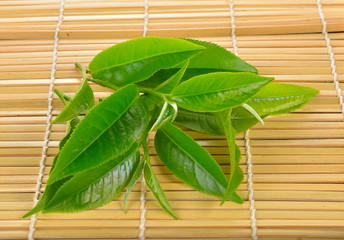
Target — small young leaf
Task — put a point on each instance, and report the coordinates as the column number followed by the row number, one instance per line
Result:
column 95, row 187
column 137, row 59
column 218, row 91
column 107, row 131
column 79, row 104
column 189, row 161
column 236, row 174
column 172, row 82
column 154, row 186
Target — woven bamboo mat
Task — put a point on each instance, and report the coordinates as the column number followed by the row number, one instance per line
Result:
column 297, row 159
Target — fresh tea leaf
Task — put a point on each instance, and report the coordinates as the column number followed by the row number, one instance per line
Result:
column 79, row 104
column 137, row 59
column 213, row 59
column 204, row 122
column 218, row 59
column 95, row 187
column 106, row 132
column 280, row 98
column 218, row 91
column 172, row 82
column 154, row 186
column 190, row 162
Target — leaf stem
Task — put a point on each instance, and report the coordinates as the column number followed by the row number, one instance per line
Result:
column 64, row 98
column 152, row 92
column 83, row 70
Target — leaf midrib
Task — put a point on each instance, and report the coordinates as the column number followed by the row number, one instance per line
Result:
column 191, row 157
column 140, row 59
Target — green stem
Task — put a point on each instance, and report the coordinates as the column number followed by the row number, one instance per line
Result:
column 151, row 92
column 83, row 70
column 64, row 98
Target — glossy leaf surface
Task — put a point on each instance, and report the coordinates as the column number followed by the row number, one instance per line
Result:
column 280, row 98
column 137, row 59
column 107, row 131
column 203, row 122
column 218, row 58
column 95, row 187
column 190, row 162
column 218, row 91
column 213, row 59
column 79, row 104
column 154, row 186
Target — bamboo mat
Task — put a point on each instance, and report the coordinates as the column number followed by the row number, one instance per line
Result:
column 297, row 159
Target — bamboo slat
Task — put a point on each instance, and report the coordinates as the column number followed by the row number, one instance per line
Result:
column 297, row 158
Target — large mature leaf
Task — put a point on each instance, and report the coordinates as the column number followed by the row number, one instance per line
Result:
column 79, row 104
column 154, row 186
column 236, row 174
column 135, row 60
column 190, row 162
column 213, row 59
column 218, row 91
column 107, row 131
column 95, row 187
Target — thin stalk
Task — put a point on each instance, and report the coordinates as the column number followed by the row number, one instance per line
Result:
column 83, row 70
column 64, row 98
column 160, row 95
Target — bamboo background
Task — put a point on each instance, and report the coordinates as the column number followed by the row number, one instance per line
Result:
column 297, row 158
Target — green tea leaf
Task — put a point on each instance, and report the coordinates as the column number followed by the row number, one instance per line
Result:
column 242, row 119
column 95, row 187
column 280, row 98
column 154, row 186
column 236, row 174
column 189, row 161
column 213, row 59
column 272, row 99
column 79, row 104
column 172, row 82
column 106, row 132
column 218, row 58
column 50, row 190
column 218, row 91
column 204, row 122
column 135, row 60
